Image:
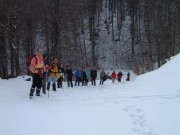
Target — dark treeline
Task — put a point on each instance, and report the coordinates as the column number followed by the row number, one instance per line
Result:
column 70, row 30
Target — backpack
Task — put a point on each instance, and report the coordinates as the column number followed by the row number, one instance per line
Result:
column 30, row 59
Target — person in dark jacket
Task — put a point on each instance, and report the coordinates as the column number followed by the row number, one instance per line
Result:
column 45, row 73
column 69, row 75
column 102, row 75
column 93, row 76
column 84, row 78
column 128, row 77
column 59, row 81
column 78, row 75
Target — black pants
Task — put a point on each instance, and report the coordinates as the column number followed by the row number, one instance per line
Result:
column 119, row 79
column 69, row 81
column 59, row 82
column 78, row 80
column 93, row 80
column 84, row 80
column 37, row 83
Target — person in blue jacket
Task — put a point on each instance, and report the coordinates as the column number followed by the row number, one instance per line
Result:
column 78, row 75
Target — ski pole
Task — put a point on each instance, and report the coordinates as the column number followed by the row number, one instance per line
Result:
column 48, row 93
column 63, row 88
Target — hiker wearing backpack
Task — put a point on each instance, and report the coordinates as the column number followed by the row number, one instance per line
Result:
column 54, row 74
column 37, row 67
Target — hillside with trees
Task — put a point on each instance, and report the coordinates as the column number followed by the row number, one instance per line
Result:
column 140, row 35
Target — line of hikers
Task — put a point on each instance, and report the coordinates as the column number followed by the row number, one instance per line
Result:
column 43, row 73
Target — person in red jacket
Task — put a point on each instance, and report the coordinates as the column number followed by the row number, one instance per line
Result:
column 113, row 75
column 119, row 76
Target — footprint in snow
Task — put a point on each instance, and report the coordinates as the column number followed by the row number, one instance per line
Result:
column 138, row 121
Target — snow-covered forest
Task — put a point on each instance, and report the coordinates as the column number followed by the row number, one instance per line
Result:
column 119, row 34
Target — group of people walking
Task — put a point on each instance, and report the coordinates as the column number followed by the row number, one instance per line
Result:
column 44, row 72
column 84, row 75
column 113, row 77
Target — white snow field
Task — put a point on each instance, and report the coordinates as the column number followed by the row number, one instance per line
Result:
column 149, row 105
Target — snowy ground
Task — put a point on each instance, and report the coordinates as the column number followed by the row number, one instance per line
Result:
column 150, row 105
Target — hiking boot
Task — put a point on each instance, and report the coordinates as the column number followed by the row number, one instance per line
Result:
column 48, row 86
column 54, row 87
column 58, row 86
column 37, row 92
column 44, row 92
column 31, row 92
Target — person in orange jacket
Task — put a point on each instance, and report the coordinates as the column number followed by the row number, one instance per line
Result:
column 113, row 76
column 37, row 67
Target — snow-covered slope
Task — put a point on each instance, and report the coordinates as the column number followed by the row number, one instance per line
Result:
column 147, row 106
column 164, row 79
